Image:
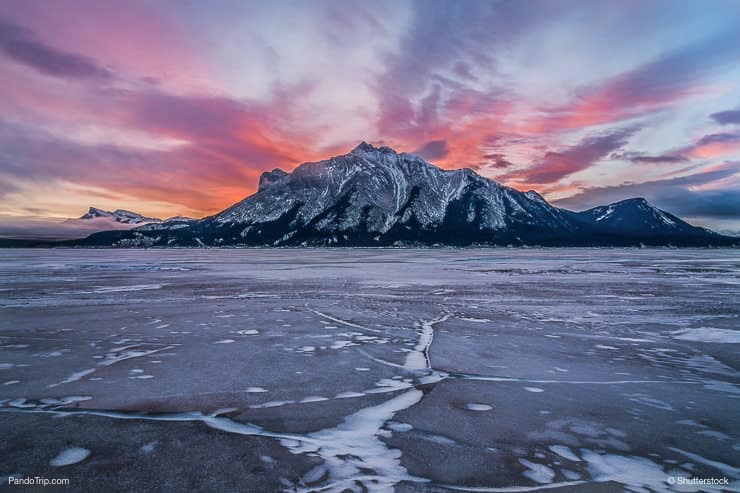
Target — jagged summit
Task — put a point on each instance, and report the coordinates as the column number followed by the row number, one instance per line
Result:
column 119, row 215
column 375, row 196
column 363, row 147
column 94, row 212
column 379, row 192
column 269, row 177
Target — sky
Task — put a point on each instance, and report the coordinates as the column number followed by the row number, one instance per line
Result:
column 176, row 107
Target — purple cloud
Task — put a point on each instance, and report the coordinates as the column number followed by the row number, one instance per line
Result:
column 728, row 117
column 446, row 43
column 432, row 150
column 21, row 45
column 659, row 159
column 637, row 157
column 557, row 165
column 498, row 160
column 720, row 138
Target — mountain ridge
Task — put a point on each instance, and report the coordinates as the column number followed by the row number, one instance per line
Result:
column 374, row 196
column 119, row 215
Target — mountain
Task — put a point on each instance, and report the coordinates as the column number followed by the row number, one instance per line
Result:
column 637, row 217
column 374, row 196
column 119, row 215
column 37, row 230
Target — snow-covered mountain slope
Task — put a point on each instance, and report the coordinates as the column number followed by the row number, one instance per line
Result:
column 637, row 217
column 374, row 196
column 119, row 215
column 174, row 222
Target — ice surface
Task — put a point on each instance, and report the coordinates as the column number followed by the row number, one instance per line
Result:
column 374, row 370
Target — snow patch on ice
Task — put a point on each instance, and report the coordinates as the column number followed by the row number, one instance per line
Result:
column 565, row 453
column 399, row 427
column 637, row 473
column 74, row 377
column 418, row 359
column 354, row 448
column 272, row 404
column 720, row 466
column 534, row 389
column 148, row 448
column 340, row 344
column 132, row 287
column 315, row 475
column 475, row 406
column 347, row 395
column 708, row 334
column 313, row 398
column 69, row 456
column 539, row 473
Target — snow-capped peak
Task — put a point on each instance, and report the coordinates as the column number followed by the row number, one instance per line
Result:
column 119, row 215
column 379, row 191
column 365, row 148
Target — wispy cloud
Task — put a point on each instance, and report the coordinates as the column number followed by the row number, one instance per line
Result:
column 22, row 46
column 556, row 165
column 727, row 117
column 433, row 150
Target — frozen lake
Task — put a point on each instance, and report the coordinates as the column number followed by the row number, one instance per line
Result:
column 370, row 369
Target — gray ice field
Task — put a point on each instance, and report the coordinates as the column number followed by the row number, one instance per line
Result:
column 370, row 369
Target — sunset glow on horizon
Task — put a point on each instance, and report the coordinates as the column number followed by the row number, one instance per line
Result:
column 176, row 108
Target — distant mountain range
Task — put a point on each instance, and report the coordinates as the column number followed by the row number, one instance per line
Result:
column 374, row 196
column 120, row 215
